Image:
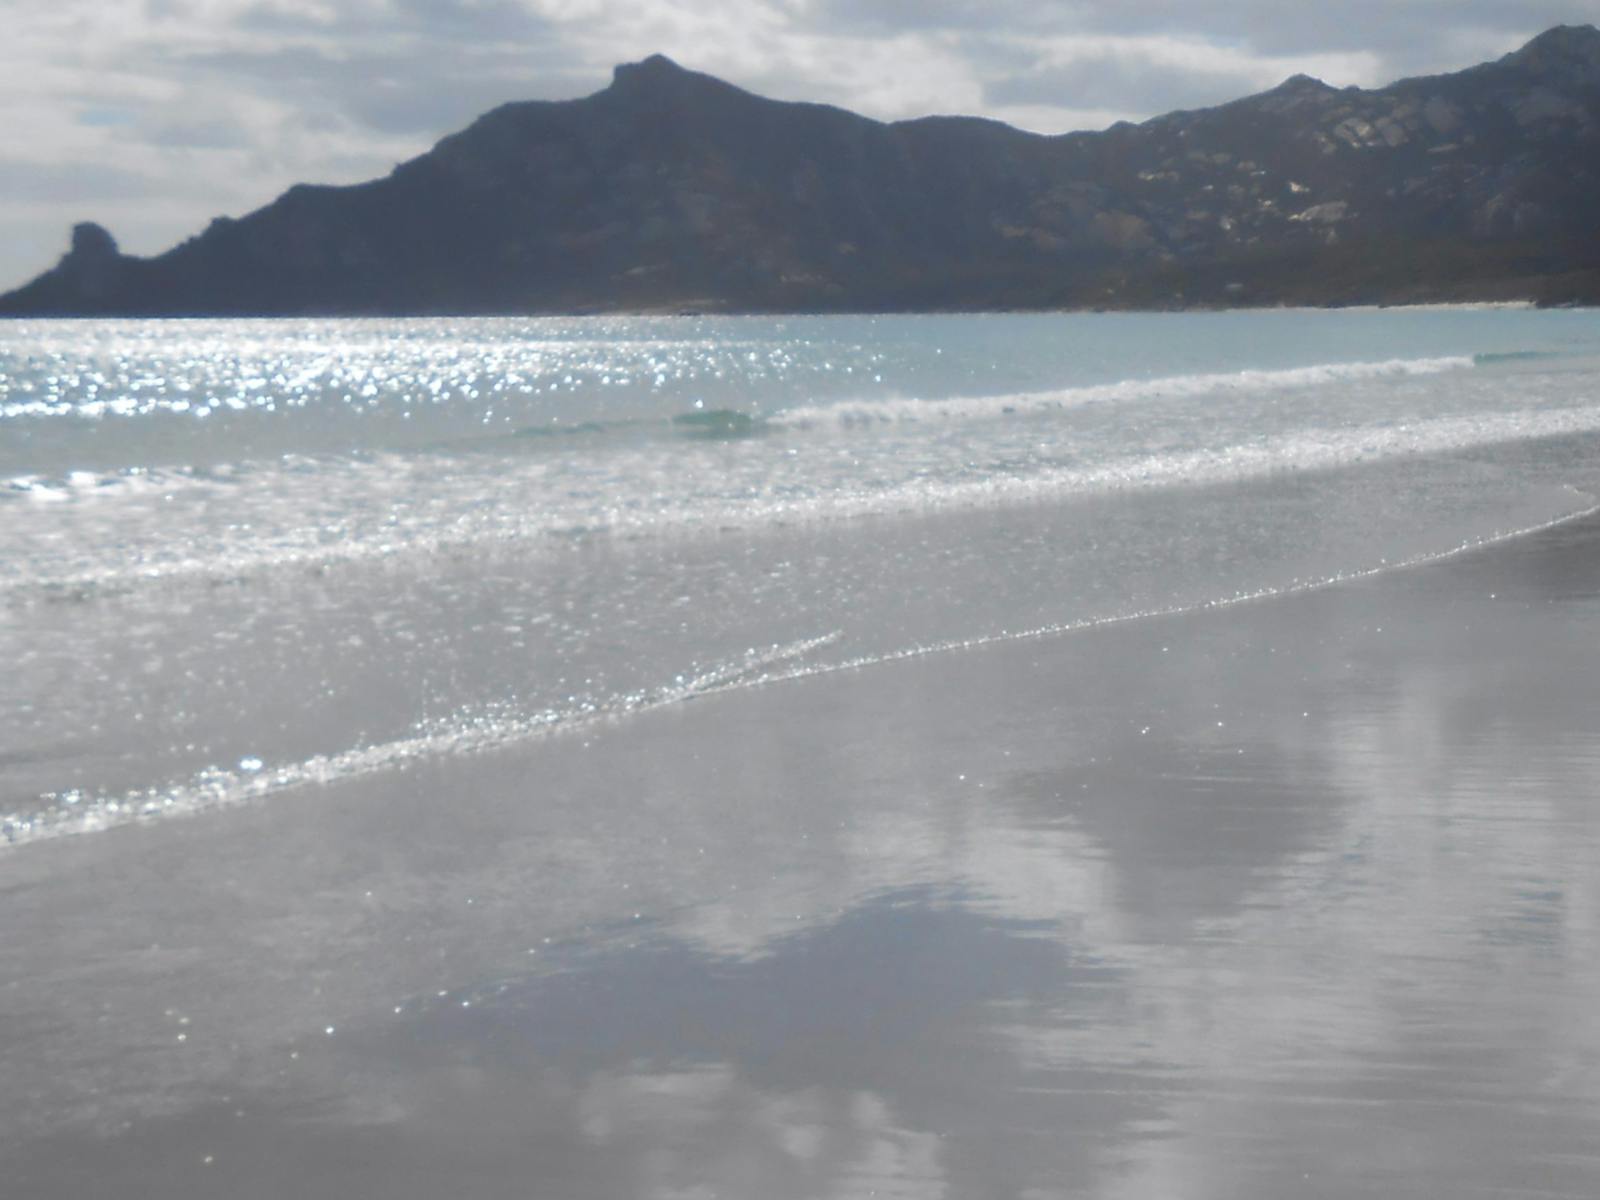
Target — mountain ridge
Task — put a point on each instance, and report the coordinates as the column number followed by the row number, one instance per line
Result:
column 672, row 190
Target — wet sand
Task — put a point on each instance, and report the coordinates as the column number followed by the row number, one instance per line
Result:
column 1294, row 898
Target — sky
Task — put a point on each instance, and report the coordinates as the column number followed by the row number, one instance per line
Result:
column 154, row 116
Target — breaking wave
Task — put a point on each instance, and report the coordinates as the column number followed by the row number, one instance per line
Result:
column 513, row 506
column 871, row 412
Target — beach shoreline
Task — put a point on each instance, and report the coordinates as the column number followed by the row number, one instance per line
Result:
column 1292, row 889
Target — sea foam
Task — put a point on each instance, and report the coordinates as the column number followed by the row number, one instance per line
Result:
column 868, row 412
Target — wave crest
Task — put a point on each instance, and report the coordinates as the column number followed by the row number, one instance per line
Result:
column 875, row 412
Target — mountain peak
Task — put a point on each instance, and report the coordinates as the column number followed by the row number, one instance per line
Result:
column 92, row 243
column 658, row 82
column 655, row 70
column 1563, row 45
column 1292, row 93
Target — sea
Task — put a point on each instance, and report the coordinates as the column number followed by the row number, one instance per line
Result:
column 1029, row 756
column 239, row 557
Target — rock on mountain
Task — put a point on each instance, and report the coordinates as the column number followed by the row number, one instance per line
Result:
column 672, row 190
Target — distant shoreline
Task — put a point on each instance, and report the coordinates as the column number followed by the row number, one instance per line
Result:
column 691, row 314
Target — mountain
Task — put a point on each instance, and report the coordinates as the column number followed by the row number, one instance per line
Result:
column 671, row 190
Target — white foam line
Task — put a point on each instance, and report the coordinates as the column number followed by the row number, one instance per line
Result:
column 217, row 788
column 872, row 412
column 1070, row 627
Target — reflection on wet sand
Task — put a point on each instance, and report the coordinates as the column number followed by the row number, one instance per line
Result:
column 1290, row 899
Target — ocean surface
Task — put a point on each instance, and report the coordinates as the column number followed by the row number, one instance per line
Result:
column 1031, row 757
column 241, row 556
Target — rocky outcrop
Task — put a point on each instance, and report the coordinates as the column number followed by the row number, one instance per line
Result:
column 93, row 272
column 673, row 190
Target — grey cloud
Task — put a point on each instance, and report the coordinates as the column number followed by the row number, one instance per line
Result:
column 483, row 18
column 416, row 67
column 922, row 16
column 1406, row 36
column 453, row 20
column 195, row 135
column 1119, row 83
column 404, row 91
column 173, row 126
column 33, row 183
column 105, row 116
column 268, row 19
column 1385, row 27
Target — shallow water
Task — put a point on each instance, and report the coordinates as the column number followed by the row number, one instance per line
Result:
column 238, row 557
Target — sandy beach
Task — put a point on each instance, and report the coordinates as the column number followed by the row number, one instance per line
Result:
column 1294, row 897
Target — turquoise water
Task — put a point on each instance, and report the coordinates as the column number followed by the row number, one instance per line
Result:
column 238, row 557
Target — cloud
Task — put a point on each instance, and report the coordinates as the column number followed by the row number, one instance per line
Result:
column 1118, row 82
column 416, row 67
column 1393, row 31
column 390, row 92
column 201, row 133
column 55, row 183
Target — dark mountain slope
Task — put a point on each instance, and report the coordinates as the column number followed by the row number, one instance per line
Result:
column 670, row 189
